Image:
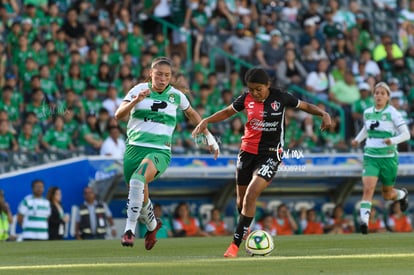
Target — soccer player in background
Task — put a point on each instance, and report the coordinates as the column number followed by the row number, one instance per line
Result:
column 383, row 129
column 262, row 143
column 152, row 107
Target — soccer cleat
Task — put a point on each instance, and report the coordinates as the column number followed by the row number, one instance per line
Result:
column 404, row 201
column 363, row 227
column 128, row 239
column 150, row 236
column 231, row 251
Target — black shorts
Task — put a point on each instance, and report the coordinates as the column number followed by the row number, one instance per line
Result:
column 264, row 166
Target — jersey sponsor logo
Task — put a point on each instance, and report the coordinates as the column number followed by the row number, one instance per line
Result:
column 275, row 105
column 158, row 104
column 261, row 125
column 374, row 124
column 251, row 105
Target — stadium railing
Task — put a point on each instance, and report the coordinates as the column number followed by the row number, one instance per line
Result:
column 227, row 57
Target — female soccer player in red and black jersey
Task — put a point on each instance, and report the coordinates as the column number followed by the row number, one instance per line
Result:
column 262, row 142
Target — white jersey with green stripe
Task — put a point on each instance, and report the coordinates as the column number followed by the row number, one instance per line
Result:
column 153, row 120
column 381, row 125
column 35, row 211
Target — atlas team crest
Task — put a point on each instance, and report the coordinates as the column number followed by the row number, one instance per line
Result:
column 275, row 105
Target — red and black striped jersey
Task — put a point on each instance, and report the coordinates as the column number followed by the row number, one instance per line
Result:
column 264, row 129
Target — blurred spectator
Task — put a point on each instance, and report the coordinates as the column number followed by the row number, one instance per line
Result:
column 8, row 142
column 338, row 223
column 241, row 43
column 184, row 224
column 56, row 139
column 27, row 141
column 9, row 106
column 90, row 101
column 6, row 219
column 216, row 226
column 72, row 28
column 361, row 36
column 364, row 102
column 234, row 84
column 398, row 93
column 386, row 48
column 103, row 79
column 398, row 221
column 112, row 101
column 73, row 80
column 271, row 53
column 291, row 71
column 376, row 222
column 330, row 28
column 114, row 144
column 232, row 136
column 89, row 136
column 345, row 93
column 223, row 19
column 292, row 129
column 57, row 219
column 290, row 11
column 339, row 69
column 312, row 12
column 333, row 138
column 345, row 16
column 317, row 50
column 309, row 223
column 340, row 49
column 310, row 31
column 33, row 213
column 93, row 218
column 389, row 5
column 283, row 221
column 165, row 231
column 371, row 68
column 320, row 81
column 268, row 224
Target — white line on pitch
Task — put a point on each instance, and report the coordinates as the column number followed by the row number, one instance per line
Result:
column 194, row 261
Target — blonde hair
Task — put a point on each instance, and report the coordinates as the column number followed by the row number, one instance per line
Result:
column 383, row 85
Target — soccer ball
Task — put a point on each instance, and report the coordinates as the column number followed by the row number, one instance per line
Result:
column 259, row 243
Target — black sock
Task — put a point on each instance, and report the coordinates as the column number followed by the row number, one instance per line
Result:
column 242, row 227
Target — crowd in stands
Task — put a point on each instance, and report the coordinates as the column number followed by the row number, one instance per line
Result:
column 66, row 65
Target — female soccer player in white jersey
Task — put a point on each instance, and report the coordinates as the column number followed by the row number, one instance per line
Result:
column 384, row 128
column 152, row 110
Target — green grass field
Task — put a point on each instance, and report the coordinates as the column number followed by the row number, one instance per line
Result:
column 387, row 253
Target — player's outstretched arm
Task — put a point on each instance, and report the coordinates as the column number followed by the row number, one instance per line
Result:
column 363, row 133
column 195, row 119
column 315, row 110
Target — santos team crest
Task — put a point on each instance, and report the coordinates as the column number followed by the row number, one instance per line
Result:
column 275, row 105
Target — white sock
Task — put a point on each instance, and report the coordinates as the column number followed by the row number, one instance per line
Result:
column 365, row 211
column 147, row 215
column 400, row 194
column 135, row 201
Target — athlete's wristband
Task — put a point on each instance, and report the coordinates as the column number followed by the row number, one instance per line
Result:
column 211, row 141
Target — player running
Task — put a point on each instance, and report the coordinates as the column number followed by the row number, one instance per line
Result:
column 152, row 110
column 262, row 143
column 384, row 128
